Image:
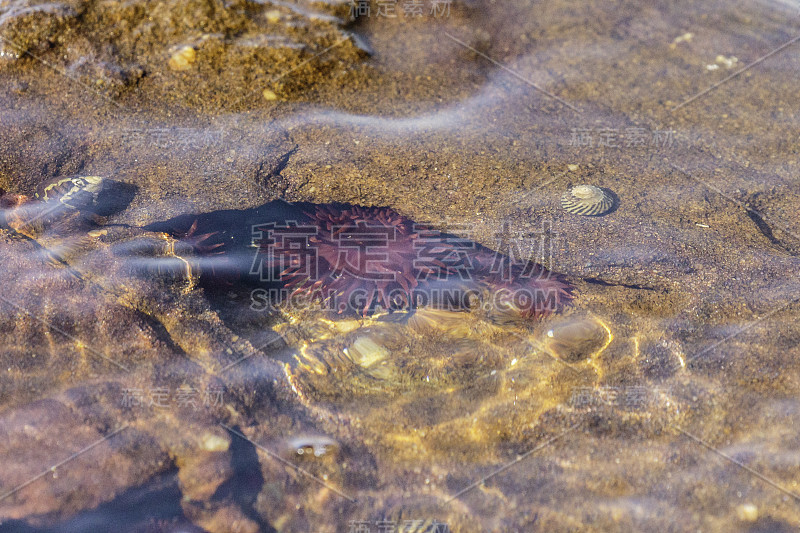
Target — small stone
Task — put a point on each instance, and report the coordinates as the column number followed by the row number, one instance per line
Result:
column 575, row 340
column 269, row 95
column 273, row 15
column 183, row 58
column 346, row 326
column 572, row 168
column 747, row 512
column 685, row 38
column 727, row 62
column 214, row 443
column 366, row 352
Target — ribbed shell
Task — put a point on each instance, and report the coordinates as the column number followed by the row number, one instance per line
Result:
column 587, row 200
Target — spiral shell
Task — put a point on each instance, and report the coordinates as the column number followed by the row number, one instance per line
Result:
column 587, row 200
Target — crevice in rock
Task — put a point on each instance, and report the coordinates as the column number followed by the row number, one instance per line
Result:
column 598, row 281
column 766, row 231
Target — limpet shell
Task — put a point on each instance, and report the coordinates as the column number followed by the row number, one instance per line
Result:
column 587, row 200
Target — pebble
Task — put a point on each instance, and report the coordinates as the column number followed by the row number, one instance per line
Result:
column 183, row 58
column 214, row 443
column 575, row 340
column 747, row 512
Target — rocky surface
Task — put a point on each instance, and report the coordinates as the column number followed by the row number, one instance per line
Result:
column 695, row 273
column 189, row 52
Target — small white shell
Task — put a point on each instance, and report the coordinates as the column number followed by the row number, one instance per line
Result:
column 311, row 445
column 587, row 200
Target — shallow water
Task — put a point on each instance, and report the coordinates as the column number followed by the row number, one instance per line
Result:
column 140, row 393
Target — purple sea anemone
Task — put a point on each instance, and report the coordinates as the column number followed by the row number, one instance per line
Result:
column 525, row 289
column 360, row 257
column 369, row 255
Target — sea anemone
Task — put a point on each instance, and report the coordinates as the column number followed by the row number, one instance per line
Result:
column 356, row 259
column 207, row 254
column 365, row 256
column 202, row 243
column 524, row 289
column 361, row 257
